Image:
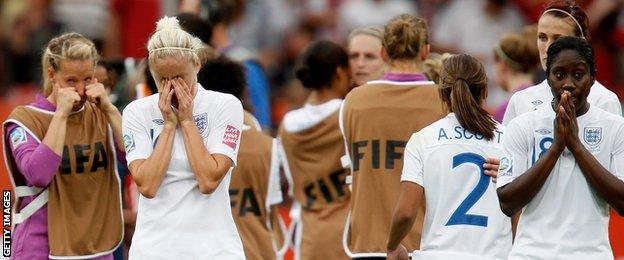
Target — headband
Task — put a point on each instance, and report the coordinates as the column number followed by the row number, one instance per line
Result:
column 171, row 48
column 505, row 57
column 568, row 14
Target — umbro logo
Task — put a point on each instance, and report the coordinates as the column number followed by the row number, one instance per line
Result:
column 537, row 102
column 543, row 131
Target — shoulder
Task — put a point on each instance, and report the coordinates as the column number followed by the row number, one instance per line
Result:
column 607, row 117
column 142, row 103
column 525, row 120
column 431, row 132
column 309, row 116
column 601, row 92
column 212, row 99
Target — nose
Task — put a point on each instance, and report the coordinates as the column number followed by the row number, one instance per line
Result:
column 80, row 88
column 359, row 61
column 568, row 85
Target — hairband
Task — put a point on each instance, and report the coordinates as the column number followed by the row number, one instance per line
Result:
column 502, row 54
column 172, row 48
column 570, row 15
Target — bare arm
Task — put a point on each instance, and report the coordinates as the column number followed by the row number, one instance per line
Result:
column 209, row 169
column 405, row 213
column 149, row 173
column 519, row 192
column 55, row 136
column 607, row 185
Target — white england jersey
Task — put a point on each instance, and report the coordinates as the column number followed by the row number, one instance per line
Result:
column 180, row 222
column 566, row 219
column 463, row 217
column 532, row 98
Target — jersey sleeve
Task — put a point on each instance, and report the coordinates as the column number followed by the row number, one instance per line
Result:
column 516, row 157
column 224, row 137
column 413, row 164
column 617, row 156
column 137, row 142
column 510, row 111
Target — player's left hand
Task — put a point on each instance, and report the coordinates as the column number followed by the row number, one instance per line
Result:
column 185, row 100
column 490, row 168
column 96, row 94
column 569, row 120
column 400, row 253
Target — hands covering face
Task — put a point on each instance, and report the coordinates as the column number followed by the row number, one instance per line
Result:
column 183, row 94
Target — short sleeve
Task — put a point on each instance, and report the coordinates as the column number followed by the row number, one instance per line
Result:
column 510, row 111
column 413, row 164
column 617, row 156
column 274, row 195
column 136, row 135
column 516, row 153
column 225, row 134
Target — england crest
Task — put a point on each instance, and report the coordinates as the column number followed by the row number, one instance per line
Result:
column 592, row 135
column 201, row 121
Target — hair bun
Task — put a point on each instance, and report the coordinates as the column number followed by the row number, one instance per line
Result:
column 168, row 23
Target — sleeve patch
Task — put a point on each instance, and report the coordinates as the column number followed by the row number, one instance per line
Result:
column 18, row 136
column 505, row 168
column 129, row 143
column 231, row 136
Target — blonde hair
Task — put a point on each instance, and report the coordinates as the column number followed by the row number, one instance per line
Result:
column 170, row 39
column 69, row 46
column 433, row 65
column 369, row 30
column 404, row 35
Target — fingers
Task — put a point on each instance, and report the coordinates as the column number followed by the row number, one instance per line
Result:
column 183, row 92
column 165, row 91
column 492, row 174
column 169, row 97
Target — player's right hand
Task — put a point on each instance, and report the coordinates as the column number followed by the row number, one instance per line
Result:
column 400, row 253
column 65, row 99
column 490, row 168
column 559, row 127
column 164, row 104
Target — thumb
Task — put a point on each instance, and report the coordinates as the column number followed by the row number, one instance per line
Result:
column 95, row 81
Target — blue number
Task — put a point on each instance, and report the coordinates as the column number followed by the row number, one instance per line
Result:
column 460, row 217
column 543, row 148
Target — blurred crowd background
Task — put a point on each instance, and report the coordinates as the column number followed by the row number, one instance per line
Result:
column 275, row 32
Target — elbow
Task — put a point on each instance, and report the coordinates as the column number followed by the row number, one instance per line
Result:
column 208, row 187
column 619, row 208
column 505, row 205
column 402, row 217
column 507, row 209
column 147, row 192
column 40, row 183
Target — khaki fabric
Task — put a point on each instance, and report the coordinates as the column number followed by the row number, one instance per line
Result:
column 378, row 120
column 249, row 190
column 84, row 206
column 319, row 186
